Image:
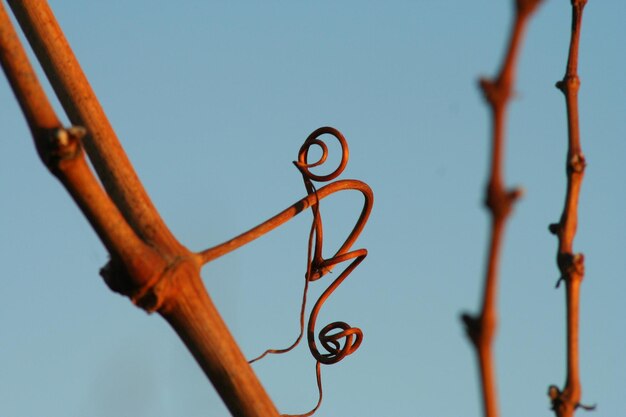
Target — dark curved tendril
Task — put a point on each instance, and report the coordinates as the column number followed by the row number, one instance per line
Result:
column 338, row 339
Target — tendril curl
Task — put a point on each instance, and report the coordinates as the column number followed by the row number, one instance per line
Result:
column 330, row 335
column 337, row 339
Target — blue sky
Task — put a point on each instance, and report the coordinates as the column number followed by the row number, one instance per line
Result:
column 212, row 101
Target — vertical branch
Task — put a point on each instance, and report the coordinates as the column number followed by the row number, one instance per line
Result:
column 499, row 201
column 571, row 265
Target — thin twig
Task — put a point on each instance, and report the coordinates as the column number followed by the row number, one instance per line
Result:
column 499, row 201
column 571, row 265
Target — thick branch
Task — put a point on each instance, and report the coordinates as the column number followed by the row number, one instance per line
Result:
column 191, row 313
column 155, row 281
column 571, row 265
column 61, row 152
column 82, row 106
column 481, row 329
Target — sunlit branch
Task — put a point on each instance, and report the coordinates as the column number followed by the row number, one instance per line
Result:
column 571, row 265
column 83, row 108
column 499, row 201
column 61, row 151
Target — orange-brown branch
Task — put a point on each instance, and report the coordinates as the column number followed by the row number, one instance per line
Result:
column 61, row 151
column 167, row 278
column 83, row 108
column 147, row 262
column 571, row 265
column 499, row 201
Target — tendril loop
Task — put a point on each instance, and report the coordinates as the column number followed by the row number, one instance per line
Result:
column 330, row 341
column 338, row 339
column 314, row 139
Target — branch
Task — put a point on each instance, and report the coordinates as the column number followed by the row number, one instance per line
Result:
column 147, row 263
column 571, row 265
column 170, row 284
column 82, row 106
column 499, row 201
column 61, row 151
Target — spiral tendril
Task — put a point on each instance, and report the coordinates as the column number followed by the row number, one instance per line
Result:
column 338, row 339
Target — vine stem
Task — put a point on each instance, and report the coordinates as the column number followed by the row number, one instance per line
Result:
column 83, row 109
column 147, row 263
column 61, row 152
column 290, row 212
column 499, row 201
column 570, row 264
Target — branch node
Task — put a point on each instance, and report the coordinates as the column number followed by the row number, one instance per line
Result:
column 571, row 265
column 576, row 163
column 569, row 84
column 495, row 92
column 561, row 399
column 501, row 201
column 60, row 144
column 150, row 296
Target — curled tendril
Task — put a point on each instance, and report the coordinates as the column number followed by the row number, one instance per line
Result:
column 313, row 139
column 338, row 339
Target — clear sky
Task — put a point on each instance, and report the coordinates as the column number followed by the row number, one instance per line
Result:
column 212, row 101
